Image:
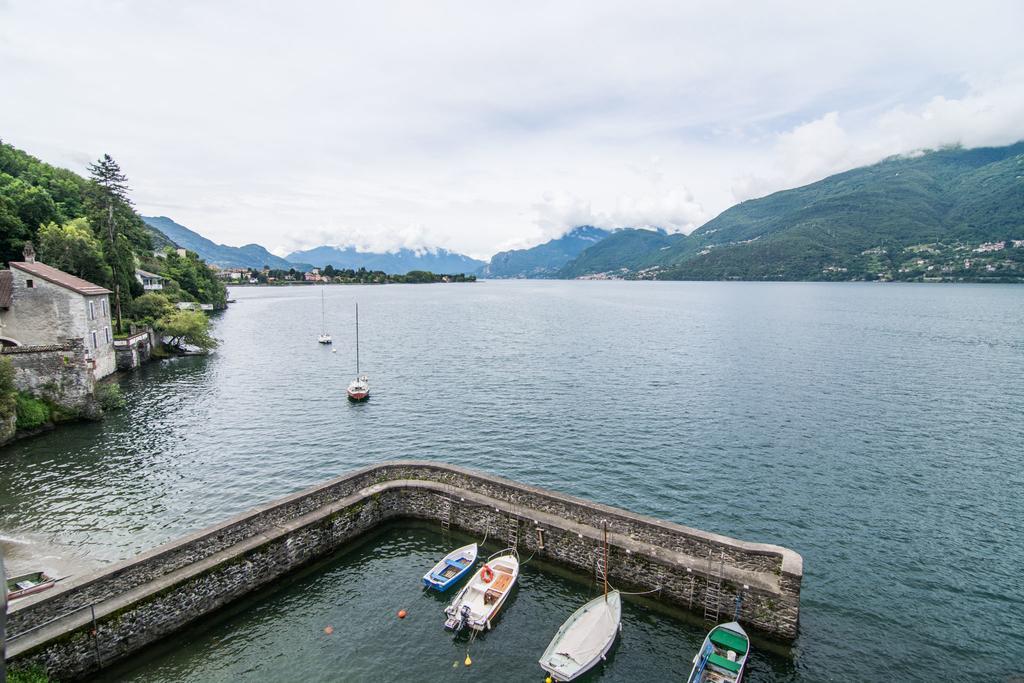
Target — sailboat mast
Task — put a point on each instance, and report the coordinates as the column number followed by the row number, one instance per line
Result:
column 357, row 340
column 604, row 525
column 323, row 315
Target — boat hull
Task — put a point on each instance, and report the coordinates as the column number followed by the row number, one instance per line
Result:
column 356, row 397
column 464, row 556
column 480, row 601
column 568, row 668
column 44, row 582
column 706, row 657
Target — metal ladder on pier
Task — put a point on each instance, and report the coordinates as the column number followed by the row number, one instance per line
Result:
column 599, row 566
column 446, row 516
column 713, row 589
column 513, row 531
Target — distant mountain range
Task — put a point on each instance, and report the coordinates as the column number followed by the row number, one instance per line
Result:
column 166, row 231
column 907, row 217
column 398, row 262
column 248, row 256
column 544, row 260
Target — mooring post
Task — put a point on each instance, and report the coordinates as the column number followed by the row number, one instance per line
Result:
column 739, row 603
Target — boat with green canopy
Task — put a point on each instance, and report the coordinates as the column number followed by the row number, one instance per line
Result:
column 723, row 656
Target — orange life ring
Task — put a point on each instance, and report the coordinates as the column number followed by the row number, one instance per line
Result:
column 486, row 574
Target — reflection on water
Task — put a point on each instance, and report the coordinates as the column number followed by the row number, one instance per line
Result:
column 874, row 429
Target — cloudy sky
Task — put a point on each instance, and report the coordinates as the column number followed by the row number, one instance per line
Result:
column 481, row 126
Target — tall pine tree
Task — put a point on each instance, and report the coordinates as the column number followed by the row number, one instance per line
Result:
column 111, row 197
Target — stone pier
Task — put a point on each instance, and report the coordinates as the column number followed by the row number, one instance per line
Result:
column 91, row 621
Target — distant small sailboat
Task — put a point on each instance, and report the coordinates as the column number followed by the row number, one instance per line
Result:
column 587, row 636
column 324, row 337
column 723, row 656
column 27, row 584
column 453, row 567
column 478, row 603
column 359, row 388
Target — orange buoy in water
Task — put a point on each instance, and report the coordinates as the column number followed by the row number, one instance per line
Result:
column 402, row 613
column 328, row 630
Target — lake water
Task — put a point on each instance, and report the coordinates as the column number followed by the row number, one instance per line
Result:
column 876, row 429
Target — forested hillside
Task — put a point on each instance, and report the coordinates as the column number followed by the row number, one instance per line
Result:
column 89, row 228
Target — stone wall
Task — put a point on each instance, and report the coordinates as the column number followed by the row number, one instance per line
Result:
column 58, row 373
column 144, row 599
column 135, row 350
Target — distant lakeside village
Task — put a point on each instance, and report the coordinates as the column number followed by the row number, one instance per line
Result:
column 331, row 275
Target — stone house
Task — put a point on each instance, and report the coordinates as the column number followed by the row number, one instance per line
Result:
column 43, row 306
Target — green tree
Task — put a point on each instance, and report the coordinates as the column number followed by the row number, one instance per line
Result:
column 186, row 328
column 73, row 248
column 8, row 392
column 111, row 197
column 150, row 307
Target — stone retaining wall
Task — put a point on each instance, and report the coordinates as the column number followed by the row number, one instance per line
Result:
column 139, row 601
column 59, row 373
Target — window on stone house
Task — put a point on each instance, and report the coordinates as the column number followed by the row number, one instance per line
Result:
column 107, row 330
column 103, row 306
column 94, row 344
column 92, row 310
column 29, row 284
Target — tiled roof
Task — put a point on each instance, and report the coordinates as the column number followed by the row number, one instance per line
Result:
column 146, row 273
column 6, row 288
column 59, row 277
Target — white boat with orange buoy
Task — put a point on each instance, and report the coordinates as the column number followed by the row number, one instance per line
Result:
column 479, row 602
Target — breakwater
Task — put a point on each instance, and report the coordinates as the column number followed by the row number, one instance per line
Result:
column 91, row 621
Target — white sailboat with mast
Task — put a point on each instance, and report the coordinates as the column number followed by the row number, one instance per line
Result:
column 359, row 388
column 324, row 337
column 585, row 638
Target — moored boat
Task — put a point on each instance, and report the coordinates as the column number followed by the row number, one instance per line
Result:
column 451, row 569
column 584, row 639
column 324, row 337
column 27, row 584
column 359, row 388
column 479, row 602
column 723, row 655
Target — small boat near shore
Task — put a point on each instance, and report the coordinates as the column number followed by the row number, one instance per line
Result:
column 723, row 656
column 453, row 567
column 29, row 584
column 479, row 602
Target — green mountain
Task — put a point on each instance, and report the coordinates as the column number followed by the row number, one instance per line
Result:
column 625, row 251
column 543, row 260
column 248, row 256
column 905, row 218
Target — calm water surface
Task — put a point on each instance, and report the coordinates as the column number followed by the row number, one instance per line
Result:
column 877, row 430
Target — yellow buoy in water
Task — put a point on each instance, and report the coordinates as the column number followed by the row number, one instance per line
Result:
column 549, row 679
column 468, row 660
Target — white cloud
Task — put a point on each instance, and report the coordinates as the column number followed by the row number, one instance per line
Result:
column 446, row 123
column 987, row 115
